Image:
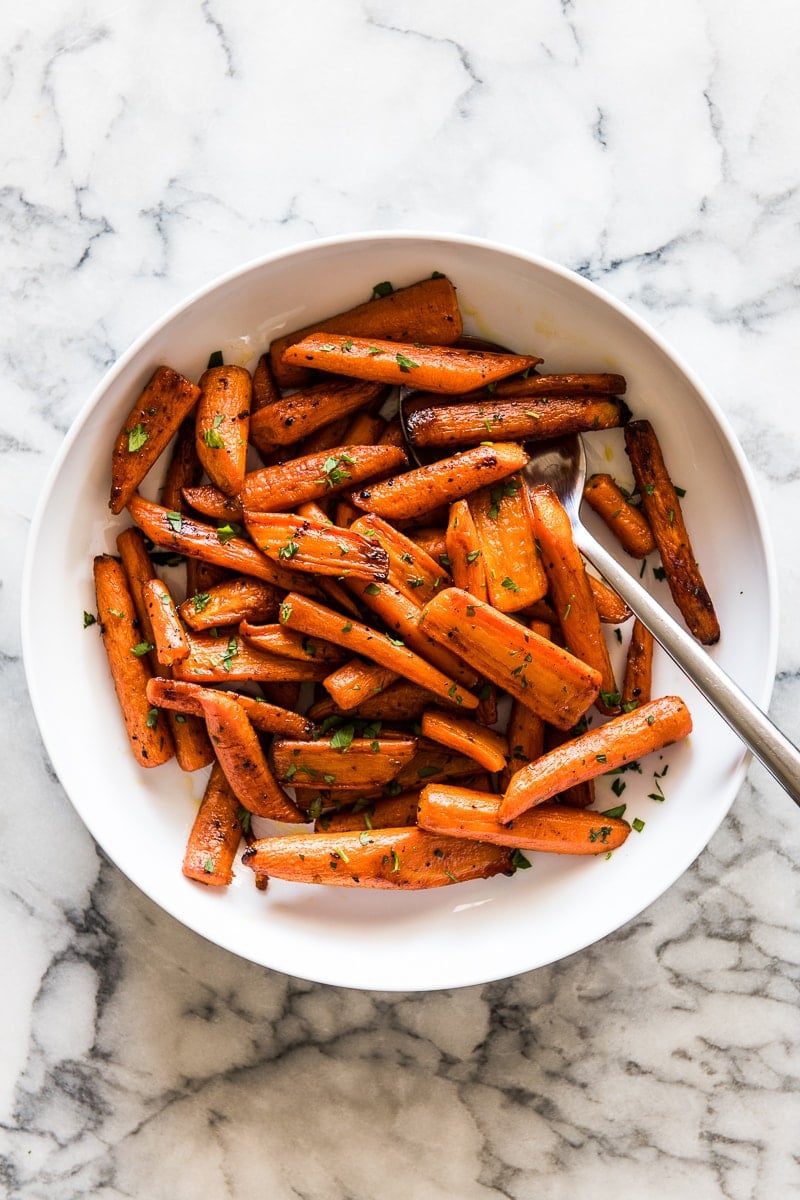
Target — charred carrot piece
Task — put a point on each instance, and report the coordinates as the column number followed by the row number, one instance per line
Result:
column 209, row 501
column 177, row 532
column 415, row 493
column 548, row 828
column 488, row 748
column 216, row 834
column 401, row 859
column 472, row 421
column 147, row 731
column 564, row 385
column 570, row 591
column 169, row 635
column 316, row 476
column 551, row 681
column 389, row 812
column 411, row 568
column 297, row 612
column 183, row 697
column 424, row 312
column 611, row 608
column 464, row 552
column 400, row 701
column 147, row 431
column 515, row 577
column 356, row 682
column 662, row 507
column 443, row 369
column 286, row 643
column 240, row 755
column 638, row 682
column 627, row 522
column 623, row 739
column 223, row 421
column 293, row 417
column 320, row 548
column 230, row 659
column 184, row 468
column 331, row 763
column 229, row 603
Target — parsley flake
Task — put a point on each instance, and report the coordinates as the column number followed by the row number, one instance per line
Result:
column 137, row 438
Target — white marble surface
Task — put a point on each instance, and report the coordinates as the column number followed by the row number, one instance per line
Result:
column 147, row 147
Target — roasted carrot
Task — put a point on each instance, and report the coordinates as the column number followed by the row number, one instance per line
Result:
column 293, row 417
column 431, row 762
column 564, row 385
column 473, row 420
column 549, row 680
column 183, row 697
column 488, row 748
column 240, row 755
column 147, row 431
column 525, row 732
column 229, row 658
column 424, row 312
column 202, row 576
column 431, row 539
column 515, row 577
column 356, row 682
column 400, row 701
column 411, row 569
column 209, row 501
column 221, row 547
column 638, row 682
column 365, row 428
column 337, row 593
column 389, row 812
column 579, row 795
column 443, row 369
column 402, row 859
column 627, row 522
column 548, row 828
column 184, row 468
column 622, row 740
column 339, row 764
column 277, row 639
column 223, row 420
column 216, row 834
column 570, row 591
column 325, row 438
column 464, row 551
column 415, row 493
column 298, row 612
column 611, row 608
column 147, row 731
column 321, row 548
column 265, row 389
column 315, row 476
column 662, row 507
column 229, row 603
column 168, row 633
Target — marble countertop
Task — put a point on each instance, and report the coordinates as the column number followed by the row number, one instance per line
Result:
column 148, row 147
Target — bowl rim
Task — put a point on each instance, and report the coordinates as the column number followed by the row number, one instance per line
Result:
column 299, row 250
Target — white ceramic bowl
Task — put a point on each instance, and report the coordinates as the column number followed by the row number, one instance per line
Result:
column 447, row 937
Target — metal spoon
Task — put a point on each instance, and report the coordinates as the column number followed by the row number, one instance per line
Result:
column 562, row 464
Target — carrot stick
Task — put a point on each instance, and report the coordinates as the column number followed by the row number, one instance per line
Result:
column 240, row 755
column 230, row 659
column 147, row 431
column 336, row 592
column 464, row 552
column 362, row 763
column 316, row 476
column 389, row 812
column 297, row 612
column 488, row 748
column 549, row 680
column 469, row 422
column 168, row 633
column 400, row 701
column 638, row 667
column 625, row 520
column 215, row 835
column 183, row 697
column 223, row 421
column 431, row 762
column 365, row 428
column 662, row 508
column 442, row 369
column 320, row 548
column 265, row 388
column 611, row 608
column 209, row 501
column 401, row 859
column 525, row 733
column 293, row 417
column 277, row 639
column 356, row 682
column 184, row 468
column 549, row 828
column 229, row 603
column 580, row 795
column 570, row 591
column 424, row 312
column 515, row 577
column 411, row 568
column 335, row 433
column 621, row 740
column 202, row 576
column 184, row 535
column 431, row 539
column 415, row 493
column 148, row 734
column 564, row 385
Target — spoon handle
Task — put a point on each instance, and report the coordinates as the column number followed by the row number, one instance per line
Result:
column 766, row 741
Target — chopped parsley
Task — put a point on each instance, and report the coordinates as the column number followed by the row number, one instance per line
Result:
column 519, row 861
column 175, row 521
column 231, row 651
column 200, row 601
column 333, row 472
column 637, row 824
column 510, row 585
column 152, row 718
column 405, row 364
column 225, row 533
column 212, row 439
column 342, row 737
column 289, row 550
column 88, row 619
column 142, row 648
column 137, row 438
column 382, row 289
